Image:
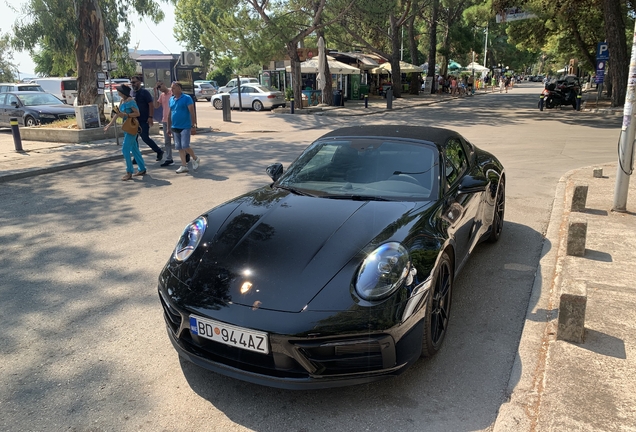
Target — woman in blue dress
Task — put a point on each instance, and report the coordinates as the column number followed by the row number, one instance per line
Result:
column 128, row 108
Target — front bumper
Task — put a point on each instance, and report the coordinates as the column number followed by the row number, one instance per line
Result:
column 301, row 362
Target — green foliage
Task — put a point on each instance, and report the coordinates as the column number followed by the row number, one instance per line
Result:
column 7, row 68
column 289, row 93
column 49, row 28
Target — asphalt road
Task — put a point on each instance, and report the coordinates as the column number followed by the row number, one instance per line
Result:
column 83, row 344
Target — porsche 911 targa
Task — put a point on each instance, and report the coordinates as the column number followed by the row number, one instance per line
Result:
column 340, row 271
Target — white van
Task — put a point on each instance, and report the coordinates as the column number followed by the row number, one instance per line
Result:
column 64, row 88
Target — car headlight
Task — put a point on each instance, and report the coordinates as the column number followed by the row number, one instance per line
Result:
column 383, row 271
column 192, row 235
column 49, row 116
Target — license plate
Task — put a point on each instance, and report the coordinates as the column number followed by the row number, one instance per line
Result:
column 230, row 335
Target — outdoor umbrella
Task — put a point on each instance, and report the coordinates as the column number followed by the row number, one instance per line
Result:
column 476, row 67
column 385, row 68
column 322, row 61
column 453, row 65
column 335, row 67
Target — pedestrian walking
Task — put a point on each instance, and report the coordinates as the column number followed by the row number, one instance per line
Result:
column 493, row 83
column 502, row 84
column 182, row 123
column 146, row 111
column 162, row 99
column 128, row 108
column 507, row 83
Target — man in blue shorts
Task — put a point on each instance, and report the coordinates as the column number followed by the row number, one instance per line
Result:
column 182, row 123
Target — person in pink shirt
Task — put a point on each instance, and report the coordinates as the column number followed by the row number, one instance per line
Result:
column 162, row 99
column 453, row 85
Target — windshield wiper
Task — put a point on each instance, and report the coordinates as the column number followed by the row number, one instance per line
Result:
column 355, row 197
column 295, row 191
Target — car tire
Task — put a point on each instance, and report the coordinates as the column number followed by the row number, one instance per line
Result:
column 30, row 121
column 438, row 307
column 498, row 213
column 257, row 105
column 218, row 104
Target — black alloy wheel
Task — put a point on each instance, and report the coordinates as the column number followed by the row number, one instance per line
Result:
column 438, row 307
column 498, row 217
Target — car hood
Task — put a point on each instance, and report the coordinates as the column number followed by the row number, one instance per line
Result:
column 53, row 109
column 277, row 250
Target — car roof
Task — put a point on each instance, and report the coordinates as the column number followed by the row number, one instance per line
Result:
column 435, row 135
column 26, row 92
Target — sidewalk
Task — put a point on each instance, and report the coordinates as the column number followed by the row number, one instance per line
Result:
column 561, row 386
column 554, row 385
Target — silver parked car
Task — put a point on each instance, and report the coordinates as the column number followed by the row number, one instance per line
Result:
column 204, row 91
column 254, row 96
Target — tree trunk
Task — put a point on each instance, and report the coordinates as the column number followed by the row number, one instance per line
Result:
column 618, row 64
column 89, row 53
column 432, row 48
column 415, row 77
column 297, row 84
column 444, row 51
column 396, row 75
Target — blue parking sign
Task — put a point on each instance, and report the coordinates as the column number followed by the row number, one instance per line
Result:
column 600, row 71
column 602, row 51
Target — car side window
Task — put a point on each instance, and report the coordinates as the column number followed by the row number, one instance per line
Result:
column 247, row 90
column 3, row 97
column 454, row 160
column 234, row 90
column 11, row 99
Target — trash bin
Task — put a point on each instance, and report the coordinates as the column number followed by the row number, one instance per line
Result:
column 336, row 98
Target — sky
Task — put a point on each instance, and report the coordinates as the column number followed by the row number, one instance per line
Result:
column 148, row 35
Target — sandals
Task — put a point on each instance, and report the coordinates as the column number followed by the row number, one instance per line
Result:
column 128, row 176
column 140, row 173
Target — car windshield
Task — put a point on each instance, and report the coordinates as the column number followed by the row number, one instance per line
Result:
column 30, row 88
column 40, row 99
column 263, row 88
column 365, row 168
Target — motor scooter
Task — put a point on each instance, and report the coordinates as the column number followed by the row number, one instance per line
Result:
column 559, row 94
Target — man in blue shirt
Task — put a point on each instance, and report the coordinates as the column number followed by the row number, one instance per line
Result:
column 182, row 123
column 146, row 111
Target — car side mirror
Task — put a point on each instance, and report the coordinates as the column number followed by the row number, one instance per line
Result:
column 14, row 104
column 275, row 171
column 473, row 184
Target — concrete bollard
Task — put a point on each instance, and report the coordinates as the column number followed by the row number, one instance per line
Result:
column 572, row 304
column 598, row 172
column 577, row 231
column 579, row 197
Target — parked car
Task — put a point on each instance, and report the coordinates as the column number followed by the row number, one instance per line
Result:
column 233, row 83
column 204, row 91
column 108, row 110
column 64, row 88
column 211, row 82
column 16, row 87
column 253, row 96
column 32, row 108
column 341, row 271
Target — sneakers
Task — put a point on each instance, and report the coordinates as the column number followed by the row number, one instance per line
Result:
column 168, row 162
column 128, row 176
column 195, row 163
column 140, row 173
column 182, row 169
column 160, row 155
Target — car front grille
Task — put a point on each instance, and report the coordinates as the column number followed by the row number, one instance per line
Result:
column 173, row 318
column 349, row 356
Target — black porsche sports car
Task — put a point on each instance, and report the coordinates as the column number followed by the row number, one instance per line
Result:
column 340, row 271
